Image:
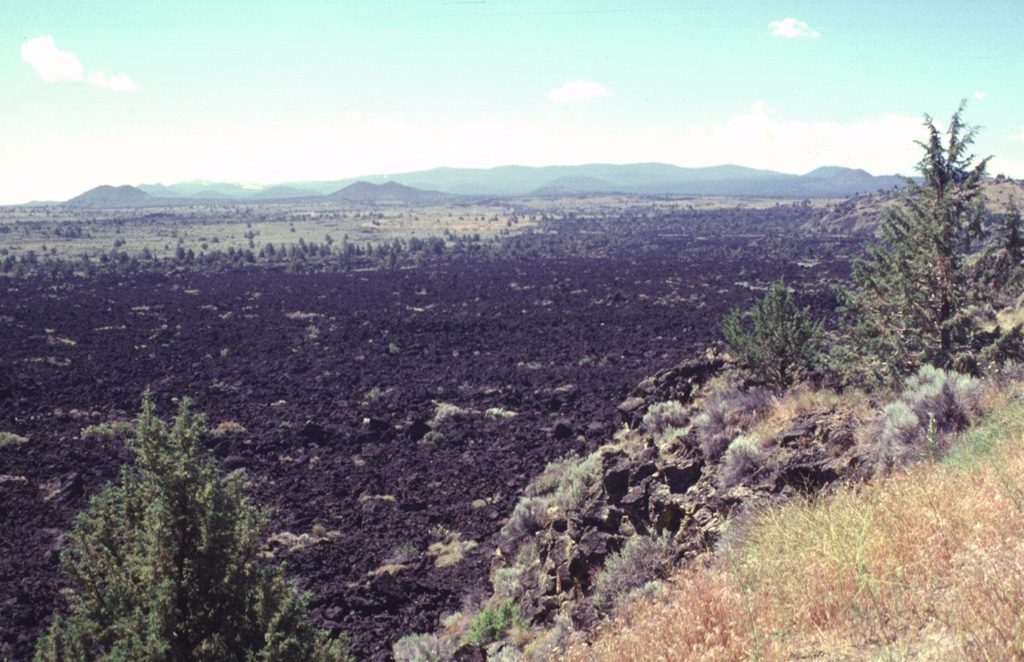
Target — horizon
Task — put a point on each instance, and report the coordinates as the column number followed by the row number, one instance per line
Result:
column 122, row 94
column 364, row 178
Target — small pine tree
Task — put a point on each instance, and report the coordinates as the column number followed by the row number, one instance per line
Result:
column 908, row 305
column 167, row 566
column 783, row 341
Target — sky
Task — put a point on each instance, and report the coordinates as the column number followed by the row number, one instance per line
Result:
column 264, row 92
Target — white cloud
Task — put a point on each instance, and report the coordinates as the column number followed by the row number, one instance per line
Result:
column 50, row 63
column 1009, row 167
column 791, row 28
column 1018, row 137
column 54, row 65
column 881, row 145
column 979, row 95
column 578, row 90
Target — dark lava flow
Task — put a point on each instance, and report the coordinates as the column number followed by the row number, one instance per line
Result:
column 325, row 387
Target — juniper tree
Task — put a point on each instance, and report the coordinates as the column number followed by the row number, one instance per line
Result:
column 167, row 566
column 908, row 304
column 782, row 342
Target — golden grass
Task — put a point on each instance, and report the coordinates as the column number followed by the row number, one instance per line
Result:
column 450, row 550
column 786, row 408
column 225, row 428
column 927, row 563
column 1010, row 317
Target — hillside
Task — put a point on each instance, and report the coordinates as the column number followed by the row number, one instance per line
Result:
column 723, row 524
column 861, row 214
column 280, row 193
column 112, row 196
column 924, row 564
column 389, row 193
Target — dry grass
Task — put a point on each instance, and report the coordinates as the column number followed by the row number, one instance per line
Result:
column 1009, row 318
column 450, row 550
column 786, row 408
column 225, row 428
column 927, row 563
column 8, row 438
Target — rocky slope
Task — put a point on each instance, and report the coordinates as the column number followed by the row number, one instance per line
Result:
column 693, row 454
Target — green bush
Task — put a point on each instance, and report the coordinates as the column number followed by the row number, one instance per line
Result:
column 780, row 343
column 910, row 300
column 166, row 566
column 492, row 622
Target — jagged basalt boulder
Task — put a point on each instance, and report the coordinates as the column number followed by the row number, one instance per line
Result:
column 678, row 383
column 671, row 489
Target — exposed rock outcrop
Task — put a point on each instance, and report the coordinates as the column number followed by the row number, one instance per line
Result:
column 652, row 481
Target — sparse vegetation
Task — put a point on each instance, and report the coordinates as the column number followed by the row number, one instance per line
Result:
column 225, row 428
column 450, row 549
column 499, row 413
column 446, row 411
column 725, row 413
column 112, row 430
column 424, row 648
column 8, row 438
column 664, row 415
column 934, row 406
column 643, row 560
column 923, row 563
column 742, row 459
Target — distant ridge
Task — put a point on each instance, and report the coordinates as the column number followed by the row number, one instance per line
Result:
column 388, row 193
column 111, row 196
column 431, row 186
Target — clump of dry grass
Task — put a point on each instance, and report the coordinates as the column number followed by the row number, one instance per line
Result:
column 926, row 563
column 705, row 625
column 450, row 549
column 225, row 428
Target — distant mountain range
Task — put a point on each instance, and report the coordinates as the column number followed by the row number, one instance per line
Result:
column 443, row 184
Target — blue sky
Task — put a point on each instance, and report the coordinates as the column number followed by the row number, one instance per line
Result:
column 117, row 92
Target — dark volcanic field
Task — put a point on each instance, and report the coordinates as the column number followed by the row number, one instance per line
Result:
column 335, row 379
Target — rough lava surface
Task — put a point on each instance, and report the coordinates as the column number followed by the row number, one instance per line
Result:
column 326, row 390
